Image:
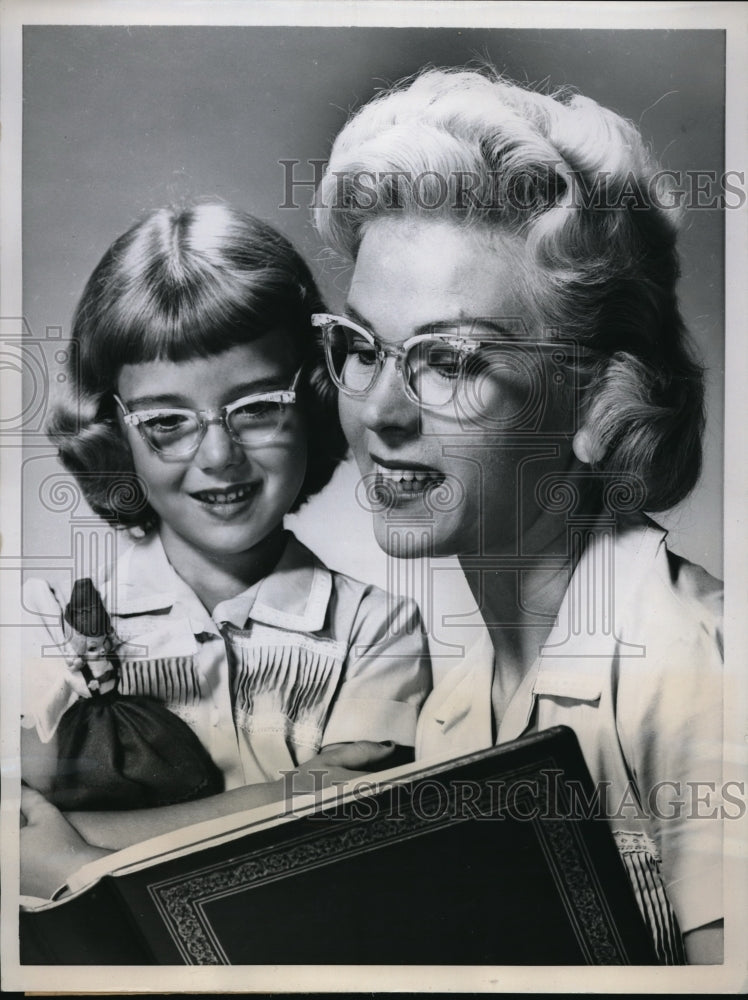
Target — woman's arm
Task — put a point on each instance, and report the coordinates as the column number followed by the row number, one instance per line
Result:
column 116, row 830
column 670, row 712
column 705, row 945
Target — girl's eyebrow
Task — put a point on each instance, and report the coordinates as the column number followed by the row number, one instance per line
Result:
column 144, row 402
column 236, row 392
column 352, row 313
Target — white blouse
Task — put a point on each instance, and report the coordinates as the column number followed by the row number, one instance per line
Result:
column 304, row 658
column 634, row 666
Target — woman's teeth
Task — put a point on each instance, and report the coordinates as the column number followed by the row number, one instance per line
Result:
column 223, row 496
column 410, row 480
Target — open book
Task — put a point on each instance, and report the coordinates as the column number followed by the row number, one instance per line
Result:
column 489, row 859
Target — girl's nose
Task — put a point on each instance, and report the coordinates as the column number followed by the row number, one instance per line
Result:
column 387, row 409
column 218, row 449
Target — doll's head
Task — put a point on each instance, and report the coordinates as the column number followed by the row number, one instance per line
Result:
column 206, row 290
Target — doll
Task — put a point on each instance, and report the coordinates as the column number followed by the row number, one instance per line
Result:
column 120, row 751
column 88, row 631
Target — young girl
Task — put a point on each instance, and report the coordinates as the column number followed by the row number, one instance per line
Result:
column 196, row 377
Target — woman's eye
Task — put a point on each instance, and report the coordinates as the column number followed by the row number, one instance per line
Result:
column 445, row 362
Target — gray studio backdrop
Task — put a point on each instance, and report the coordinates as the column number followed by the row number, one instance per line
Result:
column 120, row 120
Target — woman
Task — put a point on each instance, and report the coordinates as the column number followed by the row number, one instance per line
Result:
column 516, row 387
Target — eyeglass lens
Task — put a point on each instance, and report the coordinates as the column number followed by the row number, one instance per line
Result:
column 435, row 371
column 179, row 433
column 429, row 367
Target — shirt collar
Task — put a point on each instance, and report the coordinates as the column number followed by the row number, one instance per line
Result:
column 142, row 580
column 295, row 596
column 579, row 648
column 616, row 557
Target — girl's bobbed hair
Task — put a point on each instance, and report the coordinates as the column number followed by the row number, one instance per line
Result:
column 184, row 283
column 598, row 218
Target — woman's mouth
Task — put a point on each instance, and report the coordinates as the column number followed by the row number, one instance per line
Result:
column 406, row 483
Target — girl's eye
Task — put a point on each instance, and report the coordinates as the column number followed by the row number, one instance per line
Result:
column 168, row 423
column 362, row 352
column 254, row 411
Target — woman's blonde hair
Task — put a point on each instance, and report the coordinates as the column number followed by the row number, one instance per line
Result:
column 575, row 181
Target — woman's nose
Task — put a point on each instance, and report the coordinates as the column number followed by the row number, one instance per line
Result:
column 218, row 449
column 387, row 408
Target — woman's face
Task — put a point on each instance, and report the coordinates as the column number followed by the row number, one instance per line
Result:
column 463, row 477
column 226, row 499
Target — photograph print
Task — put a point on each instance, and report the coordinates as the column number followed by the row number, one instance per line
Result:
column 366, row 517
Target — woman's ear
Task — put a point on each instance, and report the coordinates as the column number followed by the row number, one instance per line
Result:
column 585, row 446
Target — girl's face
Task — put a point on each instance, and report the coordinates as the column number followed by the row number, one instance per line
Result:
column 462, row 477
column 226, row 499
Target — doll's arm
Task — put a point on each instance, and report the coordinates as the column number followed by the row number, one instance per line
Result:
column 117, row 830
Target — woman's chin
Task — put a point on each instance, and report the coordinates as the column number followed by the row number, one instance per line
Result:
column 418, row 539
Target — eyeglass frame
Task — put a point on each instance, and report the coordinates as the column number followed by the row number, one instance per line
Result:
column 217, row 415
column 466, row 346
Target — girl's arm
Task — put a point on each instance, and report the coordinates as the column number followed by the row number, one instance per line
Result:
column 116, row 830
column 50, row 848
column 53, row 845
column 38, row 760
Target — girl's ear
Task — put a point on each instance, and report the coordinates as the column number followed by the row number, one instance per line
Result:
column 585, row 446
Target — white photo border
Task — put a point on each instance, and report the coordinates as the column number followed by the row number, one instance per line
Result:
column 731, row 17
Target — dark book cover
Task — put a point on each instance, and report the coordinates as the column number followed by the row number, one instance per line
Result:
column 481, row 861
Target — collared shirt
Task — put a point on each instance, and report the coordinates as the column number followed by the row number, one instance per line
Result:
column 304, row 658
column 633, row 665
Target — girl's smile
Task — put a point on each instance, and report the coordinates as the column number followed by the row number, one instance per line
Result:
column 226, row 500
column 232, row 498
column 231, row 502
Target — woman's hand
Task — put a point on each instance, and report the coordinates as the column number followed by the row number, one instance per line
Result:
column 51, row 849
